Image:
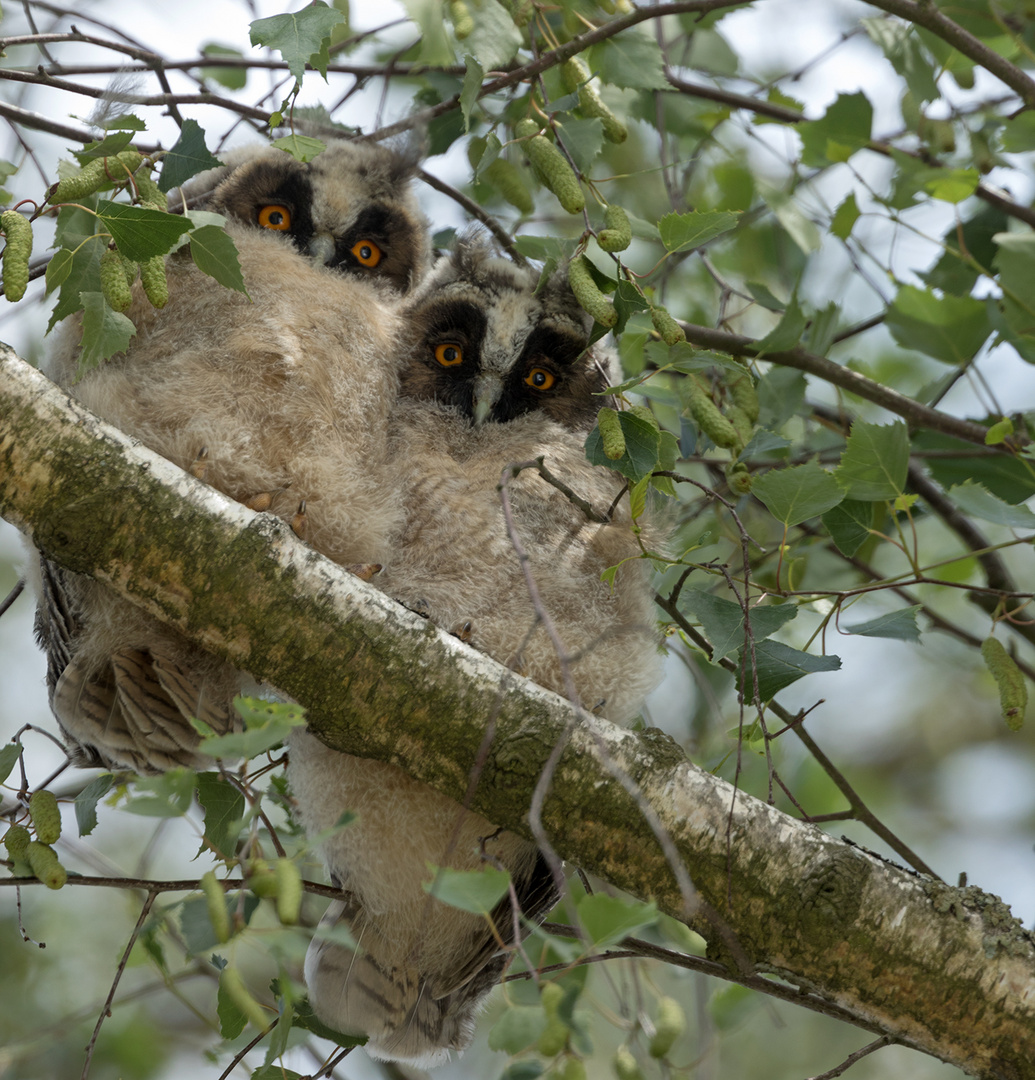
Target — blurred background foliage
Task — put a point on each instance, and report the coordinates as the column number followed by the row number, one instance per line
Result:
column 865, row 193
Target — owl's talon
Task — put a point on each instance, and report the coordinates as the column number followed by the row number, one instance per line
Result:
column 464, row 631
column 261, row 502
column 299, row 523
column 199, row 466
column 365, row 571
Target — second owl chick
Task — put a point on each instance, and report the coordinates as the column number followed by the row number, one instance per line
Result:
column 288, row 390
column 492, row 374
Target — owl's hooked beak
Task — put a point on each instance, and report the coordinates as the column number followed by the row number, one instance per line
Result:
column 322, row 248
column 487, row 390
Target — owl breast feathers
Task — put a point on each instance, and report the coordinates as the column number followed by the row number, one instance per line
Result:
column 286, row 392
column 476, row 345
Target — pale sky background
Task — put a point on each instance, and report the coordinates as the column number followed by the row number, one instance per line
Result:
column 986, row 796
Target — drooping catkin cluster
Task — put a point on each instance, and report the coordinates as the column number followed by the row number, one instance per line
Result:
column 551, row 166
column 731, row 427
column 38, row 855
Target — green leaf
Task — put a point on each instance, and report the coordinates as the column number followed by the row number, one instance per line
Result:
column 168, row 795
column 469, row 94
column 522, row 1070
column 584, row 140
column 845, row 217
column 999, row 432
column 86, row 801
column 188, row 156
column 798, row 226
column 196, row 926
column 58, row 269
column 215, row 254
column 682, row 231
column 822, row 329
column 495, row 39
column 105, row 332
column 953, row 185
column 899, row 625
column 275, row 1072
column 436, row 49
column 900, row 44
column 608, row 919
column 476, row 891
column 977, row 501
column 125, row 122
column 233, row 78
column 642, row 448
column 224, row 813
column 1017, row 135
column 723, row 620
column 950, row 329
column 844, row 129
column 306, row 1019
column 231, row 1020
column 76, row 232
column 875, row 461
column 1015, row 261
column 797, row 493
column 297, row 36
column 631, row 59
column 951, row 274
column 849, row 525
column 778, row 666
column 787, row 332
column 300, row 147
column 8, row 759
column 266, row 723
column 107, row 147
column 141, row 234
column 1008, row 478
column 518, row 1028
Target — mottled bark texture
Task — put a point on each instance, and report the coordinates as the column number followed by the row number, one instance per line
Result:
column 946, row 970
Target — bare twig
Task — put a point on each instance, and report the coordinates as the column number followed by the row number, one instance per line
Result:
column 858, row 1055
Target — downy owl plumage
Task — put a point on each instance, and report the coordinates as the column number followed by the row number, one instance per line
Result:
column 287, row 392
column 492, row 375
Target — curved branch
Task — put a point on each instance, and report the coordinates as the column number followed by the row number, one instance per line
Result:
column 380, row 682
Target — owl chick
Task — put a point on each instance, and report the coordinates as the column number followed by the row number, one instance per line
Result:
column 493, row 374
column 281, row 398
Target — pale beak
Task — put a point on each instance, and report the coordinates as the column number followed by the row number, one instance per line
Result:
column 487, row 390
column 322, row 248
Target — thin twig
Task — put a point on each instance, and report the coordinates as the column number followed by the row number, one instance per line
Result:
column 106, row 1008
column 858, row 1055
column 19, row 588
column 502, row 236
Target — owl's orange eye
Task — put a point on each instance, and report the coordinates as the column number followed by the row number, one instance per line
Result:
column 367, row 253
column 539, row 379
column 275, row 217
column 448, row 354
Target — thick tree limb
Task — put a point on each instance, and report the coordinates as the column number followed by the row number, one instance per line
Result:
column 945, row 970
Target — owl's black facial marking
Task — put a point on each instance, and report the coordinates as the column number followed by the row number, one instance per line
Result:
column 434, row 373
column 380, row 242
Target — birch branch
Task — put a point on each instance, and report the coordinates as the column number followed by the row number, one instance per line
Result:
column 945, row 970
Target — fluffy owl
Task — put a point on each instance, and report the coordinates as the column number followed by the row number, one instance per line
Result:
column 280, row 398
column 492, row 374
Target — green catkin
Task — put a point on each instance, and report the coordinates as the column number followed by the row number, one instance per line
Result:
column 741, row 422
column 150, row 194
column 738, row 477
column 709, row 419
column 113, row 281
column 218, row 916
column 669, row 330
column 463, row 24
column 592, row 300
column 521, row 11
column 575, row 76
column 44, row 862
column 1013, row 691
column 555, row 1035
column 289, row 892
column 611, row 435
column 261, row 879
column 551, row 166
column 233, row 986
column 644, row 414
column 745, row 396
column 506, row 179
column 16, row 840
column 46, row 817
column 625, row 1065
column 77, row 186
column 670, row 1024
column 152, row 277
column 572, row 1068
column 616, row 235
column 129, row 160
column 18, row 248
column 131, row 268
